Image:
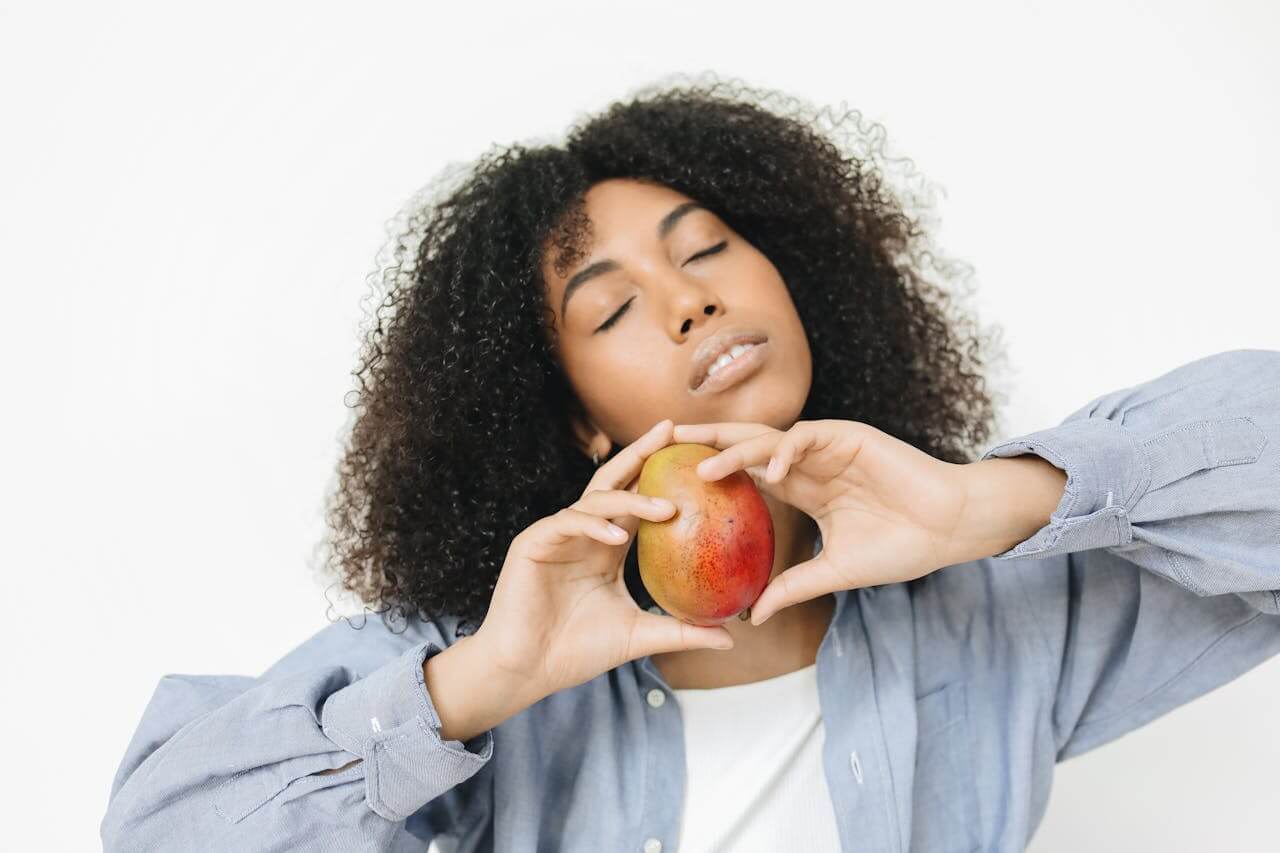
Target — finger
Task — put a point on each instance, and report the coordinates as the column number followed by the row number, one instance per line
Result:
column 793, row 447
column 570, row 523
column 790, row 450
column 624, row 508
column 654, row 634
column 747, row 453
column 626, row 464
column 801, row 582
column 718, row 435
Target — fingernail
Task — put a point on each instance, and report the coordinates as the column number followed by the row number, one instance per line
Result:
column 616, row 531
column 774, row 468
column 662, row 503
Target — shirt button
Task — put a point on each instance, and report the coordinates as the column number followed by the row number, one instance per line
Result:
column 653, row 845
column 656, row 697
column 855, row 765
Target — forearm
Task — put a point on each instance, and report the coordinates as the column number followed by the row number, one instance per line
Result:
column 468, row 693
column 1008, row 500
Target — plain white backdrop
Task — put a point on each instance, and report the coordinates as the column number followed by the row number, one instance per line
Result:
column 192, row 197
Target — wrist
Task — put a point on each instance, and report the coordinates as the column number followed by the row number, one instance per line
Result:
column 469, row 694
column 1007, row 500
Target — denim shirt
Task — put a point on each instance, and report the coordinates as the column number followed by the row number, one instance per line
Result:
column 947, row 700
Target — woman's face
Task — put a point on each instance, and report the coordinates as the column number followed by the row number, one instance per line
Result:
column 639, row 315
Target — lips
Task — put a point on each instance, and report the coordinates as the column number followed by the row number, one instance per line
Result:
column 719, row 344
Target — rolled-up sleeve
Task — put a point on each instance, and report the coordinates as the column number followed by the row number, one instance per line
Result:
column 1180, row 474
column 1168, row 532
column 313, row 756
column 387, row 719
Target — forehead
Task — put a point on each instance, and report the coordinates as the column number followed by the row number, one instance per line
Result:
column 613, row 202
column 615, row 208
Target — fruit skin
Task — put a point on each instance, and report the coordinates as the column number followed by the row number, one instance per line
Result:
column 713, row 557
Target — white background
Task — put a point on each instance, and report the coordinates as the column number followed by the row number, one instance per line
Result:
column 193, row 196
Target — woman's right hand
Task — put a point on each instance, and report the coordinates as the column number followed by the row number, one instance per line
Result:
column 561, row 613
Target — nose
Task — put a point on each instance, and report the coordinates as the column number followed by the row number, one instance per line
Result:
column 689, row 323
column 692, row 306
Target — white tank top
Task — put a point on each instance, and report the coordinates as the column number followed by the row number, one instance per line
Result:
column 753, row 768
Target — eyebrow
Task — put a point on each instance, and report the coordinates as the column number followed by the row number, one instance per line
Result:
column 601, row 267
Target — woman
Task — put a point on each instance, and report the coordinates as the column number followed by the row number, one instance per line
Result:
column 703, row 264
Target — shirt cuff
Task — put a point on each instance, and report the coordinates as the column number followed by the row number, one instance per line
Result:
column 388, row 719
column 1107, row 473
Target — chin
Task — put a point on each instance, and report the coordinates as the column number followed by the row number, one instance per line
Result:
column 774, row 404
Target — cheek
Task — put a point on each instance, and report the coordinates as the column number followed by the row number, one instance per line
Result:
column 632, row 389
column 629, row 396
column 644, row 378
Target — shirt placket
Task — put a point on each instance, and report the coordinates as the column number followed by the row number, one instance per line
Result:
column 855, row 755
column 664, row 762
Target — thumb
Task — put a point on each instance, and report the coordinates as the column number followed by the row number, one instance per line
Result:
column 654, row 634
column 801, row 582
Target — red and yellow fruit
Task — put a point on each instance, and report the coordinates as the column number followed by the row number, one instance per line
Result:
column 712, row 558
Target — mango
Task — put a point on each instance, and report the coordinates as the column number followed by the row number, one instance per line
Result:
column 712, row 558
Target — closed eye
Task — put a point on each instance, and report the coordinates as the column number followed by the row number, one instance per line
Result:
column 617, row 315
column 718, row 247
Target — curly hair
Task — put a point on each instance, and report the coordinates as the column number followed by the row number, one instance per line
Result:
column 461, row 435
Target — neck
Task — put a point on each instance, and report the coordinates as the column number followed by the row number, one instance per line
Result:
column 788, row 641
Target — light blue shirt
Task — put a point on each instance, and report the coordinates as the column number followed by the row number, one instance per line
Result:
column 947, row 701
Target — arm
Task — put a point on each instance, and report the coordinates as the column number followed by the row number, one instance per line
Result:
column 1168, row 531
column 1009, row 499
column 313, row 753
column 469, row 697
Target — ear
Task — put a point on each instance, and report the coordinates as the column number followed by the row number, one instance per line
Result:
column 590, row 438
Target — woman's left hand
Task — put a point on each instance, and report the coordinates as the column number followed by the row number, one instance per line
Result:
column 887, row 511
